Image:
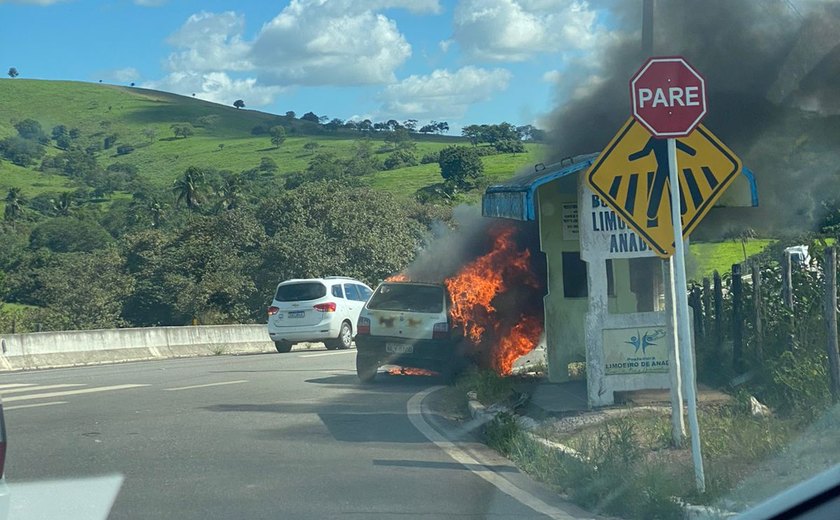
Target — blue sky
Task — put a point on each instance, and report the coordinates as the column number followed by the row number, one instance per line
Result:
column 461, row 61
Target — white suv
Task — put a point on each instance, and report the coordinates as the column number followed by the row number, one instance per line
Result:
column 316, row 309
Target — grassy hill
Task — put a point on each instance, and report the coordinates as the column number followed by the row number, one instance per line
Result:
column 223, row 136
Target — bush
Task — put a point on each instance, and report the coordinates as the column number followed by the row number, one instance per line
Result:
column 509, row 146
column 400, row 159
column 489, row 386
column 431, row 157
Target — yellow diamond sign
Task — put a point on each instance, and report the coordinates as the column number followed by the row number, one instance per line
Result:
column 631, row 177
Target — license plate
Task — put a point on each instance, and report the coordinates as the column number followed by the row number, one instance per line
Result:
column 399, row 348
column 296, row 314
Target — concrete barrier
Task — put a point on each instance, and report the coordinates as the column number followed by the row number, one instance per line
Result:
column 85, row 347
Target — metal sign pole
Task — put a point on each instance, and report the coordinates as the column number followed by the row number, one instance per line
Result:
column 684, row 334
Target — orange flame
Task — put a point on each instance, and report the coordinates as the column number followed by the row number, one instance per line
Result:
column 399, row 277
column 409, row 371
column 475, row 287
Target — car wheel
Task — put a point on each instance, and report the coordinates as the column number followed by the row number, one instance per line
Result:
column 344, row 340
column 366, row 367
column 283, row 346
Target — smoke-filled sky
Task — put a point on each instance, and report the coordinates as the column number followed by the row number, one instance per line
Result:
column 772, row 71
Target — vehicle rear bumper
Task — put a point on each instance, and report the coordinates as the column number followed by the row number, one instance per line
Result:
column 319, row 332
column 429, row 354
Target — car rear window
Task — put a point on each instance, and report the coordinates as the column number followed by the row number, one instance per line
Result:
column 302, row 291
column 407, row 297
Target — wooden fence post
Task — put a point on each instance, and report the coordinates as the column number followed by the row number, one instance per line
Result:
column 695, row 301
column 787, row 281
column 757, row 304
column 707, row 305
column 718, row 309
column 831, row 321
column 737, row 320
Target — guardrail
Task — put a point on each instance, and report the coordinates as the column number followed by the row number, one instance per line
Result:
column 85, row 347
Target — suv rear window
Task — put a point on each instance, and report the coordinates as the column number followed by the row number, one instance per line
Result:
column 298, row 292
column 407, row 297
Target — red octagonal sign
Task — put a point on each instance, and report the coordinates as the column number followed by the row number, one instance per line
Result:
column 669, row 97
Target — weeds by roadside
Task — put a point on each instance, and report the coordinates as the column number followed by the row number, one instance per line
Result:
column 628, row 468
column 489, row 386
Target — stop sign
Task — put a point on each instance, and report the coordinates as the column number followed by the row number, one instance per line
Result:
column 669, row 97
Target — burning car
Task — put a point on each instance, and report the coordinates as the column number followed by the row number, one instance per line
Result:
column 408, row 324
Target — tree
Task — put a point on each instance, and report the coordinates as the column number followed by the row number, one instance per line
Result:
column 460, row 165
column 150, row 134
column 23, row 152
column 86, row 290
column 239, row 103
column 231, row 191
column 310, row 116
column 410, row 124
column 291, row 114
column 31, row 129
column 14, row 206
column 69, row 235
column 62, row 204
column 400, row 138
column 334, row 124
column 278, row 135
column 183, row 130
column 442, row 127
column 13, row 72
column 187, row 189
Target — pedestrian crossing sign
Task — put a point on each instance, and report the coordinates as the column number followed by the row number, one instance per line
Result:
column 631, row 176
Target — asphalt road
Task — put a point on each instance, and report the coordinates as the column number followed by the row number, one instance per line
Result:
column 263, row 436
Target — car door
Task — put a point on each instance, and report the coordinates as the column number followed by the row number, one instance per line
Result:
column 354, row 303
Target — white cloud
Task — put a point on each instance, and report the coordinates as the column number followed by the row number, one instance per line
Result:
column 211, row 42
column 445, row 45
column 124, row 75
column 217, row 87
column 317, row 44
column 516, row 30
column 443, row 94
column 552, row 76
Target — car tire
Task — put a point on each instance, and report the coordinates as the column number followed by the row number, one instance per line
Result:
column 345, row 338
column 366, row 367
column 283, row 347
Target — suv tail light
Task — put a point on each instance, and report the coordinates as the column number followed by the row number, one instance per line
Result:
column 2, row 440
column 273, row 310
column 325, row 307
column 363, row 326
column 440, row 330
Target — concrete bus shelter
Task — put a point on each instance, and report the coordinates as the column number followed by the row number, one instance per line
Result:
column 605, row 307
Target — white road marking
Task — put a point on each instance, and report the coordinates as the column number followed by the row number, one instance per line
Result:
column 329, row 353
column 70, row 392
column 414, row 408
column 34, row 405
column 4, row 391
column 15, row 385
column 206, row 385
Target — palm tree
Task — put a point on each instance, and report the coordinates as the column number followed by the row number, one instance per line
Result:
column 157, row 212
column 62, row 205
column 188, row 188
column 14, row 206
column 232, row 191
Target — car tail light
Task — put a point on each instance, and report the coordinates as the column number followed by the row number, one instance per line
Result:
column 440, row 330
column 363, row 326
column 2, row 440
column 273, row 310
column 325, row 307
